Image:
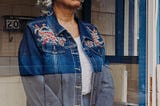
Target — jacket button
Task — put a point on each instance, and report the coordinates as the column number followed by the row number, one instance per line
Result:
column 95, row 88
column 78, row 87
column 77, row 69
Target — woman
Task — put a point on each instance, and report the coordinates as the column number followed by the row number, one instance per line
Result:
column 61, row 59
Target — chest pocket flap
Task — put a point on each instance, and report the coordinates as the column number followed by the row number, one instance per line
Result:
column 53, row 49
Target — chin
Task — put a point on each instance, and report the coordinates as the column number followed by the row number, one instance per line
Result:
column 76, row 4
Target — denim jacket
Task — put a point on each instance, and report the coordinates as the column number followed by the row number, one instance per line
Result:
column 48, row 49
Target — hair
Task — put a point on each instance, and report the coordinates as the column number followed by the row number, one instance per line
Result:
column 44, row 3
column 46, row 6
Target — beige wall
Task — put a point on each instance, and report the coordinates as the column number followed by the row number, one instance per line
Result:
column 125, row 78
column 9, row 50
column 103, row 17
column 14, row 7
column 11, row 88
column 11, row 91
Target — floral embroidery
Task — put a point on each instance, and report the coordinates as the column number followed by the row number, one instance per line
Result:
column 61, row 41
column 96, row 38
column 89, row 43
column 46, row 35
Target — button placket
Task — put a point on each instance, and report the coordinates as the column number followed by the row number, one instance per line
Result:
column 78, row 80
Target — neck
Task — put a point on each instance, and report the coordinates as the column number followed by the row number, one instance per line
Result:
column 64, row 14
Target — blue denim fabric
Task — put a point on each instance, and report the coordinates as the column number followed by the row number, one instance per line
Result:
column 86, row 99
column 48, row 50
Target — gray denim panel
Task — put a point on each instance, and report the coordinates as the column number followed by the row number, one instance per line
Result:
column 31, row 86
column 51, row 90
column 59, row 89
column 68, row 83
column 38, row 92
column 105, row 93
column 54, row 84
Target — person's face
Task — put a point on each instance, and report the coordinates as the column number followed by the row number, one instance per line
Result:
column 74, row 4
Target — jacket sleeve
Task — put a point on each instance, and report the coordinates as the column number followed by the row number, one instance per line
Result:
column 103, row 51
column 29, row 56
column 106, row 93
column 30, row 65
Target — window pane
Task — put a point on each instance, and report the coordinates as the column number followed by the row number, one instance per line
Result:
column 131, row 26
column 126, row 83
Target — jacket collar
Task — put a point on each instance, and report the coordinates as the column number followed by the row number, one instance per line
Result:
column 58, row 29
column 84, row 32
column 53, row 23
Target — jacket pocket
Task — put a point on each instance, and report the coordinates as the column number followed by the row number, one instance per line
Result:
column 52, row 49
column 51, row 54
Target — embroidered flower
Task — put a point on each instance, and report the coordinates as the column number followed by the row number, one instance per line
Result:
column 61, row 41
column 46, row 35
column 89, row 43
column 95, row 36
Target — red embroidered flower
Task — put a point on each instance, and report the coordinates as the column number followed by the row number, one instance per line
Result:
column 47, row 36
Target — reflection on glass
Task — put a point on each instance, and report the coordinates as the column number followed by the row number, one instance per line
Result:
column 126, row 83
column 131, row 27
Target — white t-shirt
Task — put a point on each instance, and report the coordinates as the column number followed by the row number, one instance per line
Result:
column 86, row 68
